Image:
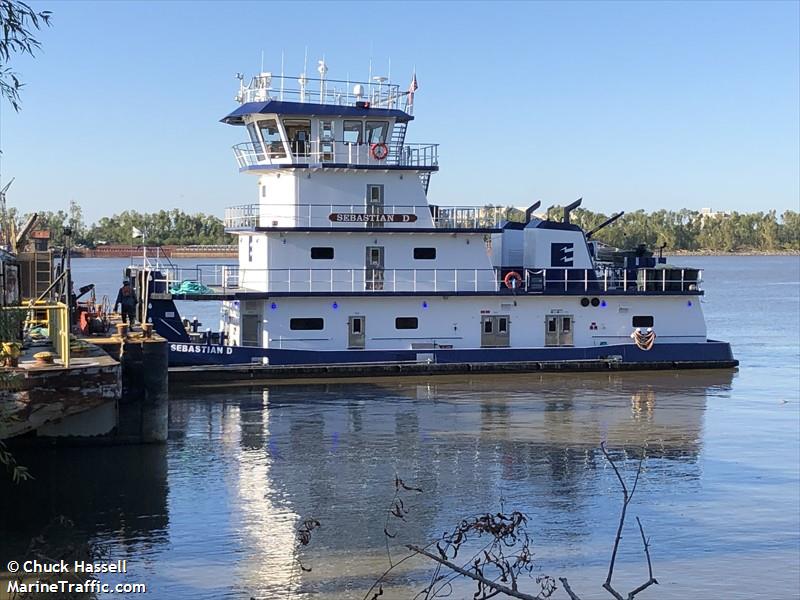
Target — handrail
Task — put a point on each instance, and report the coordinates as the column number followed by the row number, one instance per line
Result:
column 57, row 325
column 228, row 278
column 247, row 216
column 250, row 154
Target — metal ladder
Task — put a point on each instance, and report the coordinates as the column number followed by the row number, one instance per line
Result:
column 425, row 178
column 396, row 143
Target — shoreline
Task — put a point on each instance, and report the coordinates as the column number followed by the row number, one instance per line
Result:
column 734, row 253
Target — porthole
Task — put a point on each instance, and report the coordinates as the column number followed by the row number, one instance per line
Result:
column 595, row 301
column 584, row 302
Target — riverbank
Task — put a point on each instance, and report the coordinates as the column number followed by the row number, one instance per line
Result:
column 734, row 253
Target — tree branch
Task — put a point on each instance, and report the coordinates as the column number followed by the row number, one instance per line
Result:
column 487, row 582
column 652, row 580
column 572, row 595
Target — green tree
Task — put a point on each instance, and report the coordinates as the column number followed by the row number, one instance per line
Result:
column 19, row 22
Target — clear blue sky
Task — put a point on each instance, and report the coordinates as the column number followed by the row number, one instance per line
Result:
column 630, row 105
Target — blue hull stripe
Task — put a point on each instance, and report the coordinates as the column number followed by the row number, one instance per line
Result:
column 183, row 354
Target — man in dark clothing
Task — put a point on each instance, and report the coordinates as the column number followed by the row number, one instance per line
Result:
column 127, row 300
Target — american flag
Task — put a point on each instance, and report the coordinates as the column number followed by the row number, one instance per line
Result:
column 413, row 87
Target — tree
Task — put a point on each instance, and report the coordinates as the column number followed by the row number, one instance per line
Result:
column 19, row 21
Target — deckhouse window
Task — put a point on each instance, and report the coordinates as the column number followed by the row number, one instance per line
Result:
column 643, row 321
column 272, row 138
column 306, row 324
column 406, row 323
column 251, row 130
column 298, row 132
column 424, row 253
column 377, row 131
column 353, row 132
column 322, row 253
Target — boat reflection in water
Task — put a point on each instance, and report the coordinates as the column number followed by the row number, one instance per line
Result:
column 331, row 451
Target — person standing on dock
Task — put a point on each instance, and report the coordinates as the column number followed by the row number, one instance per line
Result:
column 126, row 299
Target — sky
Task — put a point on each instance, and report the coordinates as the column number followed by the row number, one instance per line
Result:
column 627, row 104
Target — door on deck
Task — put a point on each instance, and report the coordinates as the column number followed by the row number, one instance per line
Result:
column 374, row 268
column 251, row 330
column 495, row 331
column 356, row 332
column 374, row 203
column 558, row 330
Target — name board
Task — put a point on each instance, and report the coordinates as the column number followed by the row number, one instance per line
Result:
column 200, row 349
column 371, row 218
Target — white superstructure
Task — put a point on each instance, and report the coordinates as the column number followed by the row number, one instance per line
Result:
column 342, row 258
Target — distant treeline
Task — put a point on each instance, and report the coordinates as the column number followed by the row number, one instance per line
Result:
column 165, row 227
column 690, row 230
column 679, row 230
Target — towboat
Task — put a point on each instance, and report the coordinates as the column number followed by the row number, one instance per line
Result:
column 342, row 259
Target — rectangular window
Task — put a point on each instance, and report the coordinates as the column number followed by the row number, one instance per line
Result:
column 298, row 132
column 487, row 326
column 551, row 325
column 406, row 323
column 643, row 321
column 306, row 324
column 502, row 325
column 376, row 131
column 424, row 253
column 326, row 148
column 272, row 138
column 353, row 133
column 322, row 253
column 566, row 322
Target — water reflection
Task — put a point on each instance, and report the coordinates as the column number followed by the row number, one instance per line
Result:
column 331, row 451
column 117, row 493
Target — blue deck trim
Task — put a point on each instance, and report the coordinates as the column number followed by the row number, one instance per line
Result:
column 312, row 110
column 503, row 293
column 369, row 230
column 283, row 166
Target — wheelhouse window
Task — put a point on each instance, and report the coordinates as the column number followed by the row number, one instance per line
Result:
column 406, row 323
column 424, row 253
column 326, row 140
column 251, row 131
column 377, row 131
column 353, row 132
column 272, row 138
column 322, row 253
column 643, row 321
column 306, row 324
column 298, row 132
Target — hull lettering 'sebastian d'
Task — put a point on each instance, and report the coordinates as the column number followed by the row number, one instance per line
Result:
column 342, row 258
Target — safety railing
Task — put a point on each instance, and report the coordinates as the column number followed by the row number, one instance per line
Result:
column 56, row 321
column 617, row 280
column 221, row 279
column 249, row 216
column 340, row 152
column 379, row 94
column 58, row 329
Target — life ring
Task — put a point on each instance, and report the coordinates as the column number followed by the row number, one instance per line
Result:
column 379, row 151
column 512, row 276
column 644, row 340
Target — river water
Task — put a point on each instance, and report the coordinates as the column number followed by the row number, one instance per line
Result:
column 213, row 513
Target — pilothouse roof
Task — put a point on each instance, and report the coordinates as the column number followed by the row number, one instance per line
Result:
column 313, row 109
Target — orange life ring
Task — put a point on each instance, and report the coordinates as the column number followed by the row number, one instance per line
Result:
column 379, row 151
column 512, row 276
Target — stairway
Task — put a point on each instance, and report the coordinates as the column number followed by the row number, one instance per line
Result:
column 396, row 143
column 425, row 178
